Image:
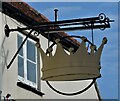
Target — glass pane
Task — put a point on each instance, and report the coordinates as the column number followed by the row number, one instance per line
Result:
column 31, row 51
column 20, row 66
column 31, row 71
column 19, row 43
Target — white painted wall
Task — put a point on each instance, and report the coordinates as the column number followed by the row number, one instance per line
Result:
column 0, row 58
column 8, row 78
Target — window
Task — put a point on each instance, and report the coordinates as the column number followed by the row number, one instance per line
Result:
column 27, row 62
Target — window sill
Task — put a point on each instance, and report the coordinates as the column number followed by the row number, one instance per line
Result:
column 27, row 87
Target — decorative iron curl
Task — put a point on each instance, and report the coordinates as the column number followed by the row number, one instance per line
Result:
column 36, row 33
column 104, row 20
column 102, row 16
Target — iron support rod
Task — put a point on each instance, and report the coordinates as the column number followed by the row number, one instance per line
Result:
column 76, row 28
column 56, row 23
column 70, row 21
column 79, row 23
column 92, row 36
column 97, row 90
column 21, row 29
column 0, row 95
column 77, row 20
column 46, row 24
column 56, row 16
column 85, row 21
column 19, row 49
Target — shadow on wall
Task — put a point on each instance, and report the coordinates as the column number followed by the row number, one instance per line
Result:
column 3, row 55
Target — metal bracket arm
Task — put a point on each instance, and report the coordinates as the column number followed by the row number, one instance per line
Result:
column 100, row 22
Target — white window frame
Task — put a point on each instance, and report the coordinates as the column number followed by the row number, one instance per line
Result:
column 24, row 79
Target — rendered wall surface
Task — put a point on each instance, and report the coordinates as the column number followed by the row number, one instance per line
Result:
column 10, row 76
column 0, row 54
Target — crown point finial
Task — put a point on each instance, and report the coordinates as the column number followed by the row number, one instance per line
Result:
column 84, row 39
column 71, row 49
column 37, row 45
column 57, row 40
column 104, row 41
column 93, row 47
column 56, row 9
column 50, row 49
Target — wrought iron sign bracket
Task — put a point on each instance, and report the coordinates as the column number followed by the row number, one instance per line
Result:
column 101, row 22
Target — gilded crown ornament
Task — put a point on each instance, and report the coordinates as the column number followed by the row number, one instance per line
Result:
column 74, row 66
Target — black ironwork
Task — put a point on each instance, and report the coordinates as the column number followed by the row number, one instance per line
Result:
column 56, row 16
column 92, row 36
column 100, row 22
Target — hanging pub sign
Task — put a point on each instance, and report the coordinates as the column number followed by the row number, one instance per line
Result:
column 79, row 65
